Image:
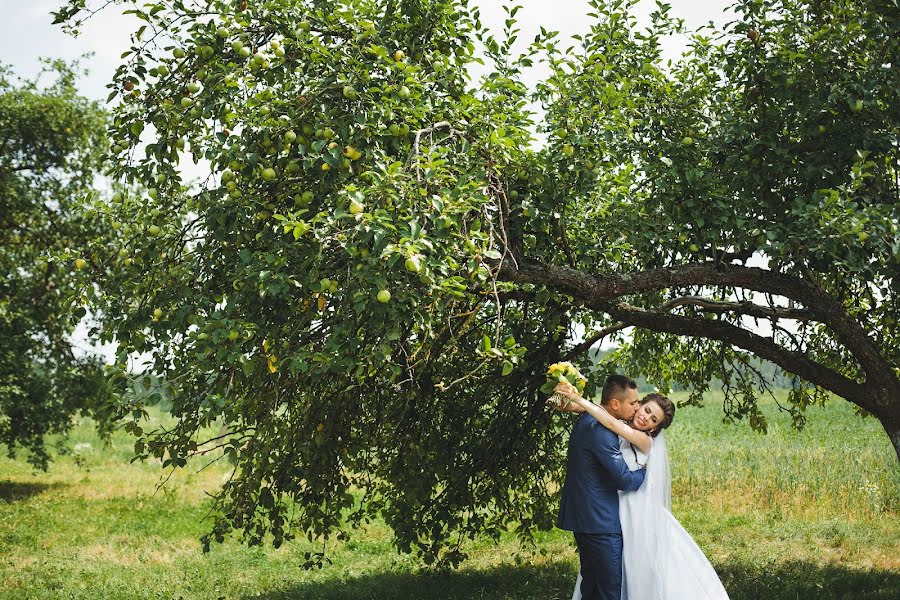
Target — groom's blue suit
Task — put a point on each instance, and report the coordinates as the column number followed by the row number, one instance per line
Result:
column 595, row 471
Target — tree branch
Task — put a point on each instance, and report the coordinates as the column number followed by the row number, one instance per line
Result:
column 589, row 289
column 743, row 308
column 593, row 339
column 763, row 347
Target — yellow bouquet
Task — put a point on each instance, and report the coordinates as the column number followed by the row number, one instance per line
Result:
column 562, row 372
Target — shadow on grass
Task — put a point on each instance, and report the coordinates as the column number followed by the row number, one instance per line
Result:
column 800, row 580
column 786, row 581
column 14, row 491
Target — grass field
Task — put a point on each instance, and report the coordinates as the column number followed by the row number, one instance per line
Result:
column 785, row 516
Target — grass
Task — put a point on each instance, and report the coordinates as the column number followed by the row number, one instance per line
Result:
column 782, row 516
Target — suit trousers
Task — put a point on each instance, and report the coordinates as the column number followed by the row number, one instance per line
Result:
column 601, row 565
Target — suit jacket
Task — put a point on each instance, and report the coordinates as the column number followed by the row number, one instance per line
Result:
column 595, row 471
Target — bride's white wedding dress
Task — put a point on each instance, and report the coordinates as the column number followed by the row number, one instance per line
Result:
column 661, row 560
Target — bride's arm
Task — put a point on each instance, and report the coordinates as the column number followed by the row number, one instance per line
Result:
column 640, row 439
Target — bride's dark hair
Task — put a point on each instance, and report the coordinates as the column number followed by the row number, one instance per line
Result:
column 667, row 406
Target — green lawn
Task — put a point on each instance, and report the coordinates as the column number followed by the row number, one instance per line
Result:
column 783, row 516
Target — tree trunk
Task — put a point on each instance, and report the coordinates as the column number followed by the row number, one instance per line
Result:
column 891, row 425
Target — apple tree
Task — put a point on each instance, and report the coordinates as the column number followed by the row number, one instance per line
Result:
column 383, row 256
column 51, row 146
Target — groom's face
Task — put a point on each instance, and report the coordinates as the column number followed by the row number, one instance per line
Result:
column 625, row 406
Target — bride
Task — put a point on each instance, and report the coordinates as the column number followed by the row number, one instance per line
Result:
column 661, row 560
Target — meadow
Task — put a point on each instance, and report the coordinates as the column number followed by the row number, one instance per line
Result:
column 783, row 516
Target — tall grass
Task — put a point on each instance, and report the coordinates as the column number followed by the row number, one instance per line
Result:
column 783, row 516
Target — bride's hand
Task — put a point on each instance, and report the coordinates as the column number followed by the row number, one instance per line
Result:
column 566, row 389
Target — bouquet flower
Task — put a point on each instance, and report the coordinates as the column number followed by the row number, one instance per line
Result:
column 558, row 373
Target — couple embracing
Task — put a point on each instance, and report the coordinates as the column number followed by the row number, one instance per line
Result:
column 616, row 500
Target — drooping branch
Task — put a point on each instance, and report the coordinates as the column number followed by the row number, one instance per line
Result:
column 593, row 339
column 589, row 289
column 741, row 308
column 712, row 306
column 763, row 347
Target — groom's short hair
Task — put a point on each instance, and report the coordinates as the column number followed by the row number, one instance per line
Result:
column 615, row 387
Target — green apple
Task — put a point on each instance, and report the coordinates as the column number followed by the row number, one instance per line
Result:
column 153, row 193
column 403, row 92
column 694, row 248
column 399, row 55
column 292, row 168
column 157, row 314
column 193, row 87
column 269, row 174
column 568, row 149
column 412, row 264
column 178, row 53
column 279, row 52
column 856, row 106
column 222, row 32
column 307, row 197
column 236, row 45
column 383, row 296
column 349, row 93
column 356, row 207
column 80, row 263
column 186, row 102
column 227, row 175
column 154, row 230
column 244, row 52
column 123, row 253
column 394, row 129
column 367, row 25
column 290, row 136
column 862, row 236
column 162, row 70
column 687, row 140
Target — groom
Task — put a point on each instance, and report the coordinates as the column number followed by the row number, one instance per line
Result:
column 595, row 471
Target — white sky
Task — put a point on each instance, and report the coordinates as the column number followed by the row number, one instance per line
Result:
column 27, row 34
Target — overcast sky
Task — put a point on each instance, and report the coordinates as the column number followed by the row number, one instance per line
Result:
column 26, row 32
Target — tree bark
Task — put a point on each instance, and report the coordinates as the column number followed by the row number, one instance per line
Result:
column 892, row 428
